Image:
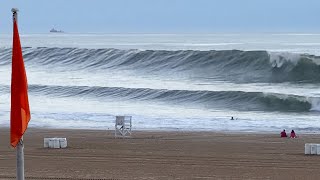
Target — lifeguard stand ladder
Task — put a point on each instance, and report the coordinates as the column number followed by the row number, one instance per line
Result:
column 123, row 126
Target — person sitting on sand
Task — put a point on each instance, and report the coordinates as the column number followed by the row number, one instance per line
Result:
column 283, row 133
column 293, row 134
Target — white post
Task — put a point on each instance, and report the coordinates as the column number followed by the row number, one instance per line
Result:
column 20, row 160
column 20, row 146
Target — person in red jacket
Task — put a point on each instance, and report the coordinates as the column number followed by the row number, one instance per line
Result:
column 283, row 133
column 293, row 134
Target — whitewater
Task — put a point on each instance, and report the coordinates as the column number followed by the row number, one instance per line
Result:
column 189, row 82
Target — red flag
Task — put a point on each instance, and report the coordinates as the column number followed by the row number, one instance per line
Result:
column 20, row 112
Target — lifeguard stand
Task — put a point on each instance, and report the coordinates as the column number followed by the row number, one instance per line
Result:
column 123, row 126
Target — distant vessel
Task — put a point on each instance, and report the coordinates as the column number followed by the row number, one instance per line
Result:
column 55, row 31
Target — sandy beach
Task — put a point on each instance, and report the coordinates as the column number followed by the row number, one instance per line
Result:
column 95, row 154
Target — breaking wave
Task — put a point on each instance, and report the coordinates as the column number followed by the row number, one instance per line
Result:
column 227, row 65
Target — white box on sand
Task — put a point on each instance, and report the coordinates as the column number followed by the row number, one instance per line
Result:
column 307, row 148
column 313, row 148
column 318, row 149
column 63, row 142
column 46, row 142
column 55, row 143
column 51, row 143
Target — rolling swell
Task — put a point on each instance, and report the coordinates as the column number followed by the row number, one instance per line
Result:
column 236, row 100
column 227, row 65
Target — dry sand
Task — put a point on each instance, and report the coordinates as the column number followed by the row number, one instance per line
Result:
column 162, row 155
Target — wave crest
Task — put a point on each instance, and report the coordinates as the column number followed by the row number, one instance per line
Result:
column 227, row 65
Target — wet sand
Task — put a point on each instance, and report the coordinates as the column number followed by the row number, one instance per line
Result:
column 162, row 155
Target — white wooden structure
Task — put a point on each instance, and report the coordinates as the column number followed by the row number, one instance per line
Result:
column 55, row 143
column 123, row 126
column 312, row 149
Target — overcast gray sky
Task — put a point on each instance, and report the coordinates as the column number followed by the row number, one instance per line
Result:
column 162, row 16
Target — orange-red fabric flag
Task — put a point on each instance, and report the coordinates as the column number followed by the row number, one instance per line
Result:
column 20, row 112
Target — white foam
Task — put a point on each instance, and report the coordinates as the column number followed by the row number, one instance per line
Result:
column 277, row 59
column 315, row 103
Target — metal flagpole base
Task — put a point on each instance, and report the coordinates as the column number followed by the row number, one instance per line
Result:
column 20, row 160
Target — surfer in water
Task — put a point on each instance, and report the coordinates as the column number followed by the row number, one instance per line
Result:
column 232, row 118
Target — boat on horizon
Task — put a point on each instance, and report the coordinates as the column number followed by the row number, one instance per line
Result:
column 53, row 30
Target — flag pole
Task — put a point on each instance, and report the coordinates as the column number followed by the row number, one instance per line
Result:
column 20, row 146
column 20, row 160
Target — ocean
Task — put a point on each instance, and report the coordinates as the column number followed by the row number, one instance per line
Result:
column 187, row 82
